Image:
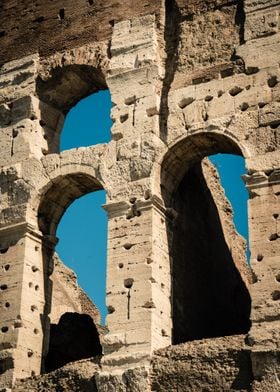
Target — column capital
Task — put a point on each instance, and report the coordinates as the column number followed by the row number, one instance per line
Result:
column 261, row 179
column 135, row 207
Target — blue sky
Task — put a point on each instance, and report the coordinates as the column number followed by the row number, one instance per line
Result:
column 82, row 231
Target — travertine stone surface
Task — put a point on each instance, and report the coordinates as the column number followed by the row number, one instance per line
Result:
column 187, row 80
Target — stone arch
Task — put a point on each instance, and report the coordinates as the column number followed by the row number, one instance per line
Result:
column 63, row 80
column 189, row 149
column 62, row 191
column 68, row 182
column 209, row 273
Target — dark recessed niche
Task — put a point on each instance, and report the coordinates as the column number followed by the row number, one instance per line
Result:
column 75, row 337
column 39, row 20
column 2, row 33
column 90, row 2
column 61, row 14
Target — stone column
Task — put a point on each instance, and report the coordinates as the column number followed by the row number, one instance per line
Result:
column 138, row 283
column 264, row 233
column 22, row 302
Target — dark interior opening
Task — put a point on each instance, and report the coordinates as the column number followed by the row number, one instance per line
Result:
column 210, row 299
column 75, row 337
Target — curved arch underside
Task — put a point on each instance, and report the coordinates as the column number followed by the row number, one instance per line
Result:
column 209, row 271
column 190, row 150
column 63, row 191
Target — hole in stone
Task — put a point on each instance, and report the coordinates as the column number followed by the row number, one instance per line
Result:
column 73, row 338
column 33, row 373
column 254, row 277
column 36, row 331
column 120, row 265
column 123, row 117
column 2, row 33
column 130, row 100
column 275, row 124
column 61, row 14
column 90, row 2
column 4, row 250
column 29, row 353
column 275, row 216
column 278, row 277
column 111, row 23
column 15, row 133
column 7, row 267
column 259, row 257
column 33, row 308
column 7, row 304
column 147, row 194
column 3, row 287
column 235, row 91
column 272, row 81
column 128, row 246
column 30, row 284
column 39, row 20
column 34, row 268
column 132, row 200
column 128, row 283
column 4, row 329
column 36, row 287
column 220, row 93
column 227, row 72
column 274, row 237
column 111, row 309
column 244, row 106
column 251, row 70
column 275, row 295
column 208, row 98
column 42, row 123
column 185, row 102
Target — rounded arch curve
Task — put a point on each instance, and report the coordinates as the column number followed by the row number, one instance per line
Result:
column 209, row 275
column 63, row 82
column 61, row 192
column 190, row 149
column 68, row 84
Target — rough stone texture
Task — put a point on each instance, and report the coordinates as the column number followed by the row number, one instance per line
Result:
column 187, row 80
column 67, row 295
column 76, row 377
column 221, row 364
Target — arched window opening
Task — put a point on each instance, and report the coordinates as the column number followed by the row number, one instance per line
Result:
column 70, row 315
column 88, row 122
column 210, row 274
column 82, row 234
column 73, row 98
column 230, row 169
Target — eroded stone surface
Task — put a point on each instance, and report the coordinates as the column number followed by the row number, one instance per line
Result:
column 186, row 81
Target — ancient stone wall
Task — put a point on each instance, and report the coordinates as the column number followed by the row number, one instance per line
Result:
column 187, row 80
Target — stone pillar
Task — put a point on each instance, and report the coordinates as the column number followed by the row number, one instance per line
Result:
column 22, row 302
column 138, row 283
column 264, row 233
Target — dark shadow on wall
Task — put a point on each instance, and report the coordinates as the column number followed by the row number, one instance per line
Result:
column 210, row 299
column 75, row 337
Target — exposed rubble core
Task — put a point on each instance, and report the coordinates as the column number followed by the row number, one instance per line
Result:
column 187, row 80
